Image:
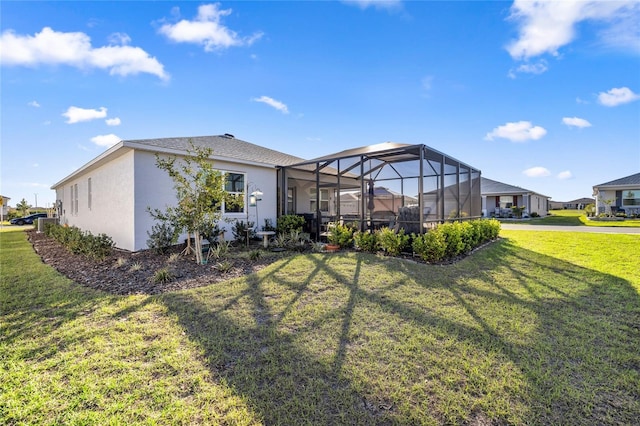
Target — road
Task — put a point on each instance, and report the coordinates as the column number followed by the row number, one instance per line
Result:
column 597, row 229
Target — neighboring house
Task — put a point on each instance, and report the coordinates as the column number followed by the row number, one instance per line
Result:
column 498, row 198
column 111, row 193
column 578, row 204
column 385, row 203
column 4, row 207
column 618, row 195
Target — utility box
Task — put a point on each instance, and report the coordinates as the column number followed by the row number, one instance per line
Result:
column 43, row 220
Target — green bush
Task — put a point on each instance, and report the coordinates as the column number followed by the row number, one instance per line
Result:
column 366, row 241
column 341, row 235
column 240, row 229
column 73, row 239
column 453, row 237
column 162, row 236
column 431, row 247
column 449, row 240
column 391, row 242
column 289, row 222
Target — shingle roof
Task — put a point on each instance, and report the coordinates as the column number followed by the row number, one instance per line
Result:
column 225, row 146
column 628, row 180
column 489, row 186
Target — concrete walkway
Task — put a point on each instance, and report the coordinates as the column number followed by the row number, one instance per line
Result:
column 597, row 229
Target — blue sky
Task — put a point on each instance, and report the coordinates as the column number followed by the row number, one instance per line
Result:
column 543, row 95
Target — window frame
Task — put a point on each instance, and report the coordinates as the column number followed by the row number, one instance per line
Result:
column 313, row 199
column 242, row 193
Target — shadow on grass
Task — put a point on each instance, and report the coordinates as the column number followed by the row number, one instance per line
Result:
column 507, row 336
column 579, row 363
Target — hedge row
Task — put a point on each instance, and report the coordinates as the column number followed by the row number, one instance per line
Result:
column 446, row 241
column 76, row 241
column 452, row 239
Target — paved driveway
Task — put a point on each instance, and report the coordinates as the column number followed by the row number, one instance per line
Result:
column 598, row 229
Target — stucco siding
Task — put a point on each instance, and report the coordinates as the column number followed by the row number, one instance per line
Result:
column 109, row 207
column 154, row 188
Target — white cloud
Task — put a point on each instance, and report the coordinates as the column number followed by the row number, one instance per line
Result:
column 519, row 131
column 378, row 4
column 206, row 29
column 119, row 39
column 105, row 140
column 617, row 96
column 113, row 121
column 565, row 175
column 34, row 104
column 547, row 25
column 537, row 68
column 576, row 122
column 74, row 49
column 273, row 103
column 77, row 115
column 536, row 172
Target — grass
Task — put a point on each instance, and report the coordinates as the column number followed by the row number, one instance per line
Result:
column 539, row 328
column 572, row 218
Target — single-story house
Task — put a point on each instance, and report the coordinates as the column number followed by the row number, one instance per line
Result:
column 386, row 202
column 111, row 194
column 577, row 204
column 4, row 206
column 618, row 195
column 498, row 198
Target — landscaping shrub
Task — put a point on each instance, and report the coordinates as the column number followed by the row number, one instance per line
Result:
column 453, row 237
column 268, row 225
column 239, row 230
column 162, row 236
column 341, row 235
column 162, row 276
column 293, row 240
column 366, row 241
column 391, row 242
column 289, row 222
column 449, row 240
column 85, row 243
column 431, row 247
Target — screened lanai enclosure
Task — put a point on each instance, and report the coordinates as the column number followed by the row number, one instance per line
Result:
column 401, row 186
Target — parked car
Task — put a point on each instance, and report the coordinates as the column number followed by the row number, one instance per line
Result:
column 27, row 220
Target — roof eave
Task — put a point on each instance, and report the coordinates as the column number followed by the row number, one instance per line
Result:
column 97, row 160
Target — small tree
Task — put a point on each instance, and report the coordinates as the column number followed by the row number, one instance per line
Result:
column 23, row 206
column 199, row 190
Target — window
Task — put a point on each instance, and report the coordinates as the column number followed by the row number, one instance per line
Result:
column 631, row 198
column 291, row 201
column 71, row 198
column 75, row 198
column 234, row 186
column 506, row 201
column 324, row 200
column 89, row 193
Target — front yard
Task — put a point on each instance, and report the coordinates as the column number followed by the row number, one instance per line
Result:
column 537, row 328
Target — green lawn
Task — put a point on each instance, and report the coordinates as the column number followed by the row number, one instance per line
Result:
column 538, row 328
column 572, row 218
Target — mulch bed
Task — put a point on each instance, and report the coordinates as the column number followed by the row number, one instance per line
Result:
column 116, row 274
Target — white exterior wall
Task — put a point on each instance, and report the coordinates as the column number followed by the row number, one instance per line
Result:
column 154, row 188
column 538, row 204
column 111, row 210
column 602, row 196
